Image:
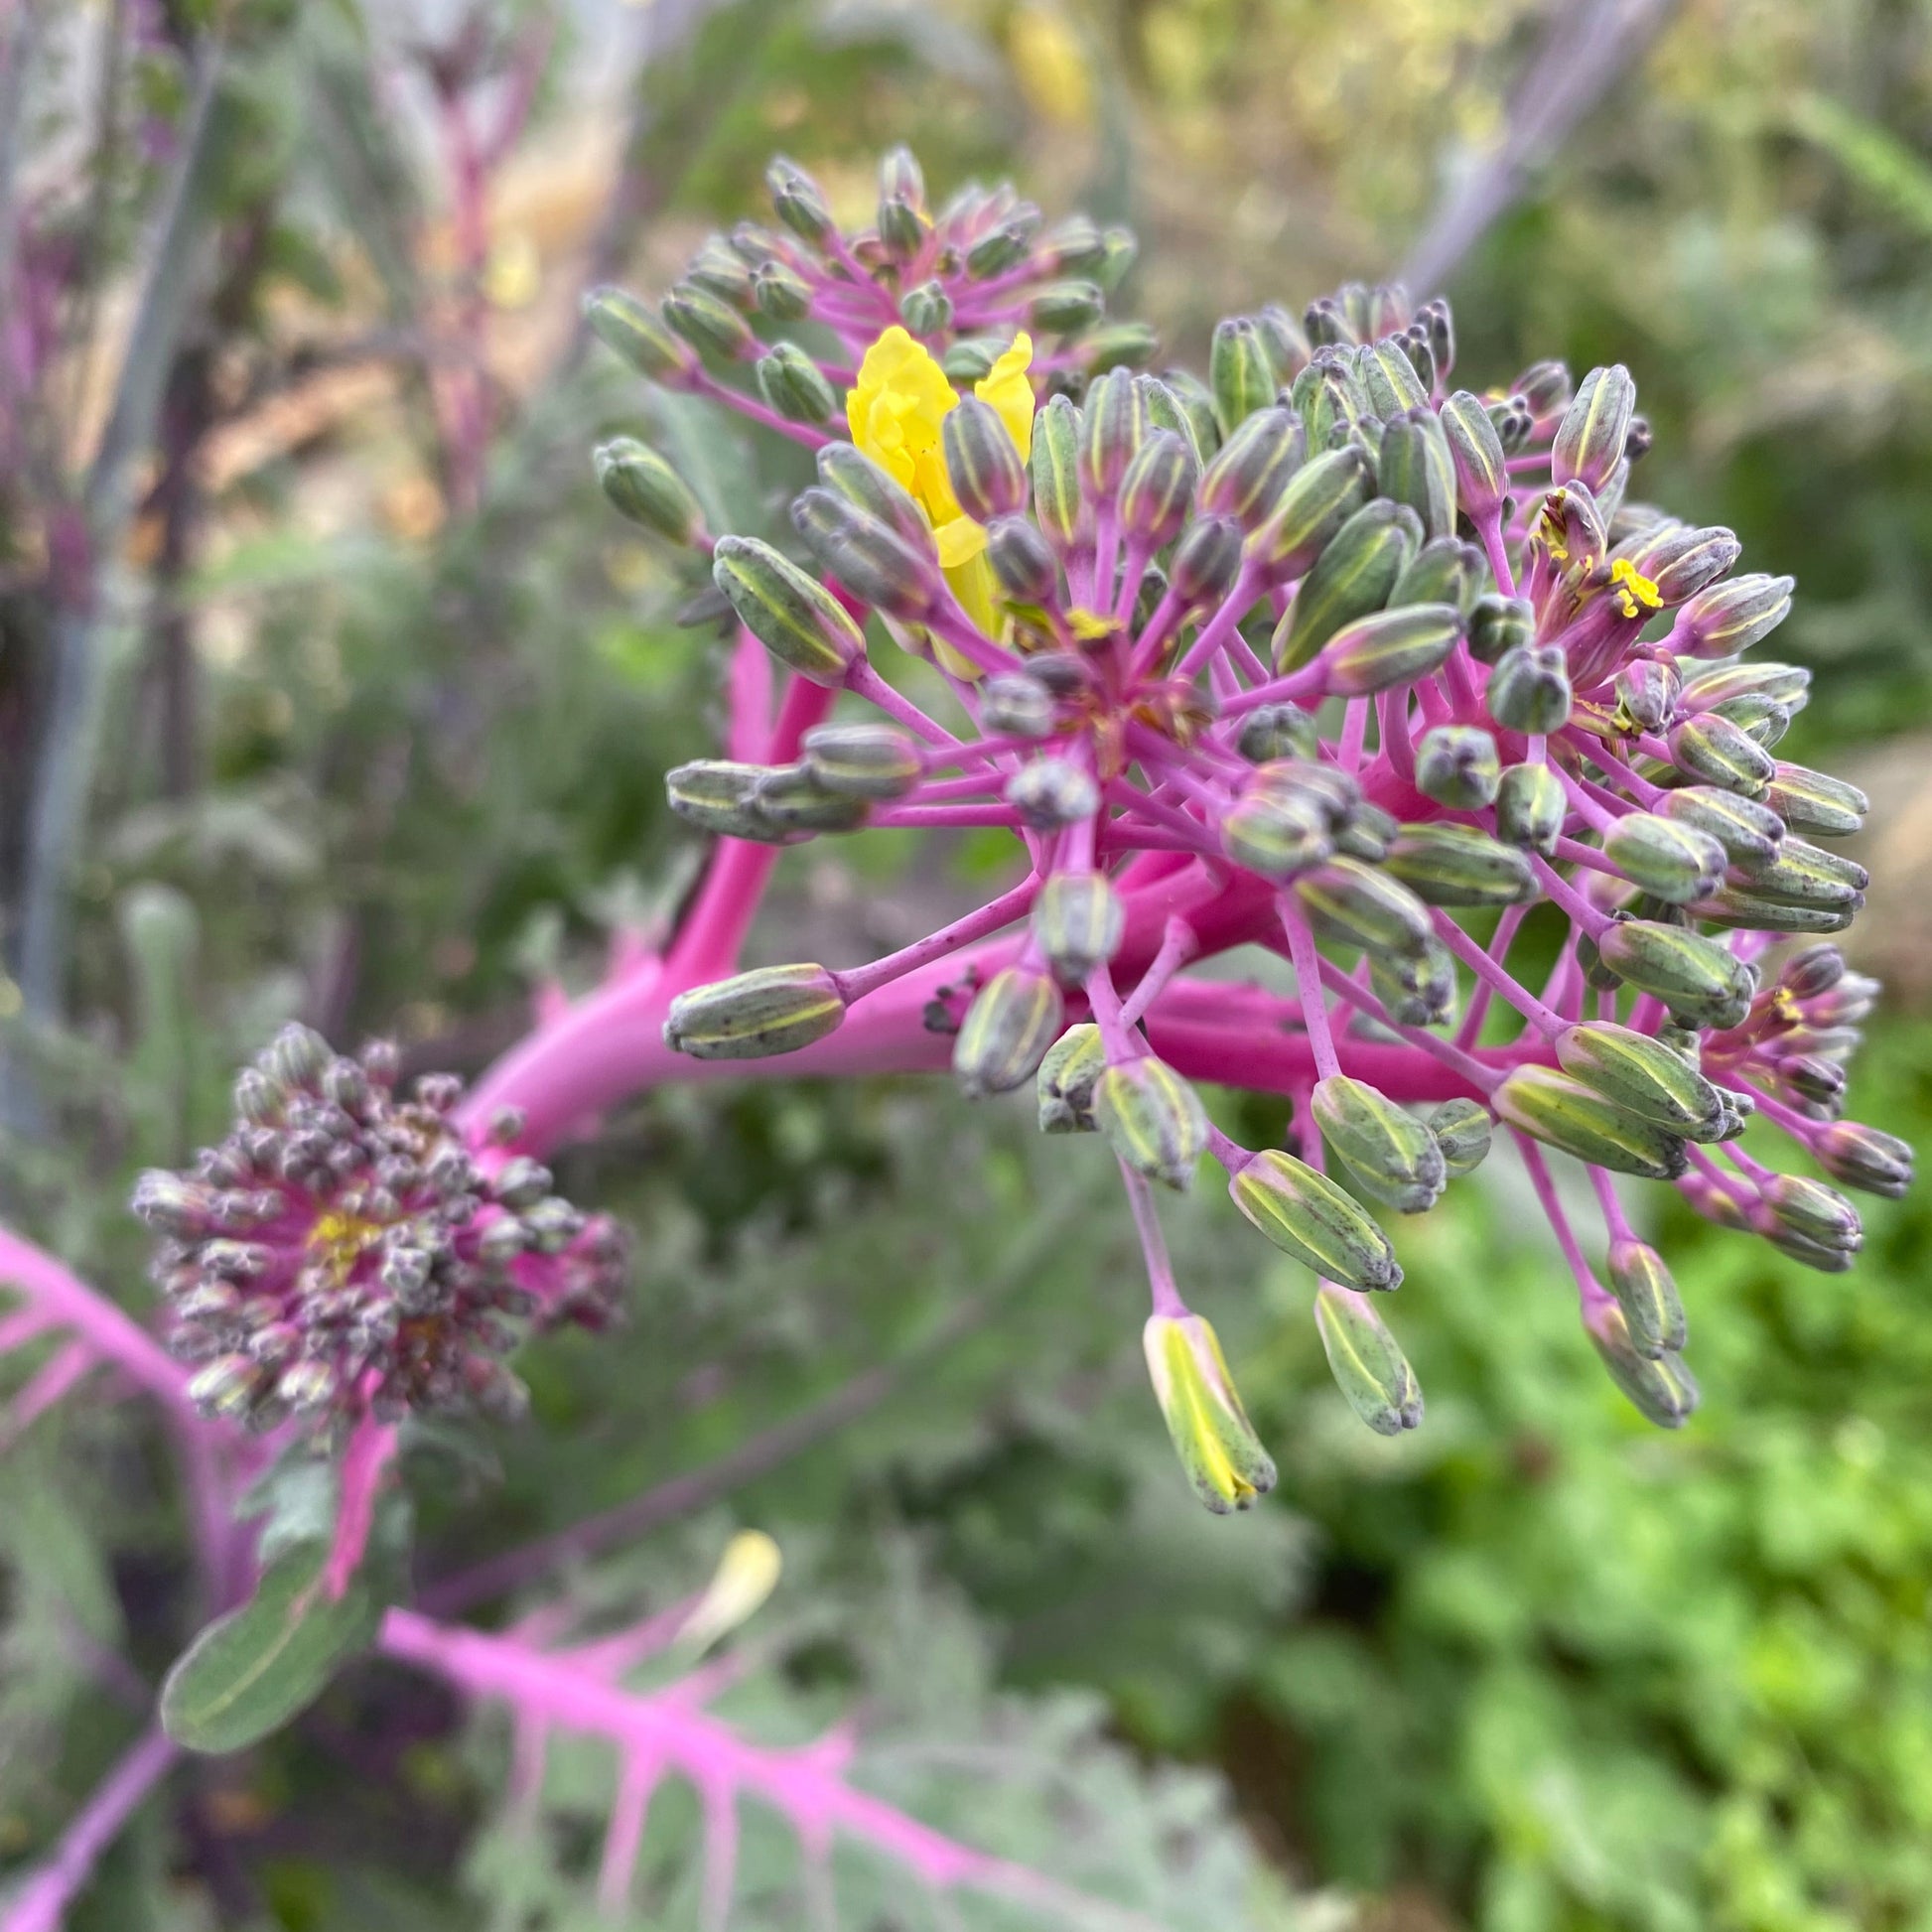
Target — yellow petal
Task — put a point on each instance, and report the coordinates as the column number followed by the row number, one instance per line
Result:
column 1006, row 387
column 959, row 541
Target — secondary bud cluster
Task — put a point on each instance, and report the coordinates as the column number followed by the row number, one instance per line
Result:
column 1313, row 649
column 344, row 1252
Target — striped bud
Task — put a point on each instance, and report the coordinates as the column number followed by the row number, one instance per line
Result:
column 1355, row 905
column 1006, row 1030
column 1732, row 615
column 1022, row 561
column 718, row 795
column 926, row 309
column 648, row 490
column 1056, row 474
column 983, row 462
column 1116, row 423
column 1003, row 248
column 1017, row 706
column 795, row 386
column 1284, row 341
column 1065, row 308
column 1700, row 979
column 623, row 323
column 1384, row 1147
column 1663, row 1391
column 1368, row 833
column 1051, row 793
column 1643, row 1077
column 1653, row 1312
column 711, row 327
column 1384, row 370
column 1814, row 1213
column 1276, row 836
column 1713, row 751
column 1786, row 685
column 875, row 564
column 1817, row 804
column 1529, row 690
column 1498, row 625
column 1218, row 1449
column 1239, row 373
column 1463, row 1132
column 1326, row 398
column 1863, row 1158
column 1665, row 858
column 1445, row 570
column 1457, row 865
column 1279, row 731
column 859, row 483
column 1067, row 1076
column 1118, row 345
column 1305, row 1215
column 1352, row 579
column 1077, row 923
column 780, row 292
column 1647, row 694
column 1682, row 562
column 1317, row 500
column 789, row 798
column 1247, row 476
column 1415, row 467
column 1196, row 405
column 1757, row 714
column 797, row 620
column 1206, row 562
column 1153, row 1120
column 1162, row 407
column 1531, row 807
column 770, row 1009
column 1158, row 491
column 1546, row 389
column 863, row 760
column 1589, row 440
column 1579, row 1121
column 1736, row 909
column 1390, row 649
column 1747, row 831
column 1799, row 873
column 1366, row 1361
column 1476, row 451
column 1331, row 791
column 970, row 358
column 1415, row 992
column 799, row 200
column 1457, row 766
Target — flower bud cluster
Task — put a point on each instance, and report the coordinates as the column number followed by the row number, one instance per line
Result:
column 346, row 1252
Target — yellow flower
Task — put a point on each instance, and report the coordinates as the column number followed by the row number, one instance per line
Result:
column 1051, row 67
column 894, row 411
column 1634, row 590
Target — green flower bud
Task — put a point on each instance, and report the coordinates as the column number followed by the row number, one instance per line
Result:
column 1325, row 396
column 1006, row 1030
column 1529, row 691
column 1065, row 308
column 1385, row 1147
column 1120, row 346
column 1116, row 423
column 1863, row 1158
column 865, row 761
column 1667, row 859
column 1366, row 1361
column 983, row 462
column 1273, row 836
column 1368, row 833
column 795, row 386
column 1282, row 336
column 1217, row 1446
column 791, row 798
column 1416, row 467
column 875, row 563
column 1544, row 388
column 1711, row 749
column 1436, row 318
column 1077, row 923
column 1642, row 1076
column 1732, row 615
column 648, row 490
column 1463, row 1132
column 1053, row 792
column 1252, row 468
column 1239, row 373
column 1022, row 561
column 1700, row 979
column 1757, row 714
column 971, row 358
column 1799, row 873
column 1814, row 1213
column 1498, row 625
column 718, row 795
column 1305, row 1215
column 799, row 623
column 1664, row 1391
column 1153, row 1120
column 1738, row 910
column 1747, row 830
column 1647, row 694
column 1075, row 246
column 1386, row 372
column 903, row 227
column 1653, row 1314
column 1317, row 500
column 1445, row 570
column 1327, row 323
column 859, row 483
column 1785, row 685
column 1017, row 706
column 1457, row 766
column 926, row 309
column 1355, row 905
column 770, row 1010
column 1352, row 579
column 1681, row 562
column 1531, row 807
column 623, row 323
column 1003, row 248
column 1444, row 864
column 1164, row 409
column 1279, row 731
column 1577, row 1120
column 713, row 328
column 1056, row 474
column 719, row 270
column 1816, row 803
column 1589, row 440
column 1390, row 649
column 801, row 203
column 1158, row 491
column 1476, row 451
column 1206, row 561
column 1067, row 1079
column 780, row 292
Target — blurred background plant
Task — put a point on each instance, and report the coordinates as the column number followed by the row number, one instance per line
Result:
column 328, row 688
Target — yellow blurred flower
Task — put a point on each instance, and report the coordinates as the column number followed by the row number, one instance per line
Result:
column 1051, row 65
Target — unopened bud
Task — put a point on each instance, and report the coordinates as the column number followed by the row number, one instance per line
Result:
column 1056, row 474
column 1003, row 248
column 1352, row 579
column 1279, row 731
column 795, row 386
column 1318, row 500
column 1274, row 836
column 648, row 490
column 1116, row 423
column 864, row 761
column 1817, row 804
column 1457, row 766
column 1445, row 570
column 1153, row 1120
column 711, row 327
column 1665, row 858
column 1653, row 1312
column 1239, row 373
column 780, row 292
column 770, row 1010
column 1065, row 308
column 1647, row 693
column 1067, row 1076
column 1713, row 750
column 1247, row 475
column 1050, row 793
column 1785, row 685
column 1579, row 1121
column 720, row 795
column 1732, row 615
column 926, row 309
column 794, row 617
column 1305, row 1215
column 1390, row 649
column 1006, row 1030
column 1700, row 979
column 799, row 200
column 1482, row 472
column 1444, row 864
column 1589, row 440
column 1498, row 625
column 1531, row 807
column 982, row 460
column 1747, row 830
column 1355, row 905
column 623, row 323
column 1158, row 491
column 1863, row 1158
column 1077, row 923
column 1813, row 1212
column 1016, row 705
column 1463, row 1132
column 1366, row 833
column 1418, row 991
column 1206, row 561
column 1366, row 1361
column 1218, row 1449
column 878, row 566
column 1414, row 466
column 1684, row 562
column 1384, row 1147
column 1643, row 1077
column 1118, row 345
column 1529, row 690
column 1663, row 1391
column 1022, row 561
column 1799, row 873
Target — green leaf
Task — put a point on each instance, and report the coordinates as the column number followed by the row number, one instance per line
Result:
column 249, row 1672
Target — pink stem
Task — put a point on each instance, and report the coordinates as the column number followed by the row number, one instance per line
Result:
column 372, row 1444
column 978, row 925
column 1307, row 984
column 1525, row 1002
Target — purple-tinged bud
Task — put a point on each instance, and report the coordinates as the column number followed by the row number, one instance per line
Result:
column 1017, row 706
column 1476, row 449
column 229, row 1388
column 1816, row 803
column 795, row 385
column 1317, row 500
column 1663, row 1391
column 1643, row 1077
column 1352, row 578
column 1252, row 468
column 1118, row 345
column 718, row 270
column 1529, row 690
column 1050, row 793
column 1812, row 971
column 1445, row 863
column 1003, row 248
column 1275, row 837
column 1498, row 625
column 1415, row 992
column 1458, row 766
column 1799, row 873
column 1414, row 466
column 1546, row 389
column 862, row 760
column 713, row 328
column 1863, row 1158
column 799, row 200
column 1239, row 373
column 1024, row 562
column 1785, row 685
column 1206, row 562
column 1647, row 692
column 1366, row 1361
column 1445, row 570
column 1653, row 1312
column 1679, row 562
column 1325, row 323
column 1439, row 319
column 1710, row 750
column 1006, row 1030
column 794, row 617
column 1285, row 341
column 1067, row 1076
column 1670, row 861
column 982, row 462
column 1158, row 491
column 1279, row 731
column 1386, row 372
column 1817, row 1081
column 1390, row 649
column 1591, row 438
column 1732, row 615
column 1078, row 920
column 1747, row 831
column 1814, row 1213
column 1700, row 979
column 1057, row 504
column 1313, row 1221
column 1116, row 423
